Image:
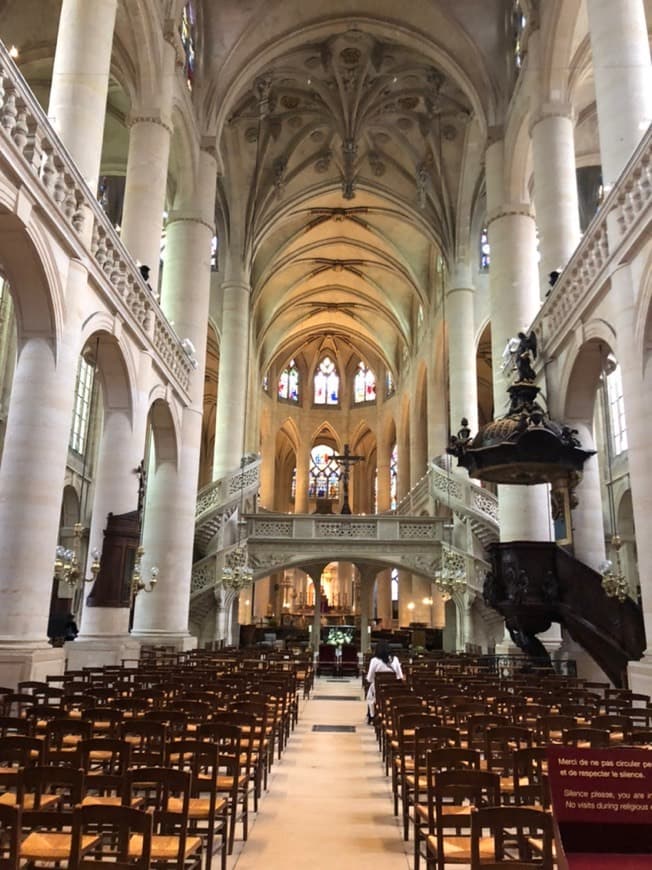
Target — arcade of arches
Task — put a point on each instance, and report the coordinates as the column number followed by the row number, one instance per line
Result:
column 241, row 240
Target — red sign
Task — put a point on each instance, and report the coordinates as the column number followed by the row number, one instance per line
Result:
column 602, row 802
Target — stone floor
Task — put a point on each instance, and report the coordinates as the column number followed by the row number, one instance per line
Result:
column 329, row 804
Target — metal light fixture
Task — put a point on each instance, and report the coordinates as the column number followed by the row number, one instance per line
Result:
column 237, row 572
column 67, row 565
column 451, row 576
column 137, row 582
column 614, row 581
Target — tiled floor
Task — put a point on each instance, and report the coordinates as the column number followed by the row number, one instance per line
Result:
column 329, row 804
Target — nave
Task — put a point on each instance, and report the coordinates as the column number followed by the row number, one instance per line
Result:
column 329, row 803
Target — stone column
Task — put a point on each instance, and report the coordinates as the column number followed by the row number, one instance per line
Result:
column 303, row 467
column 462, row 375
column 150, row 132
column 268, row 468
column 162, row 615
column 587, row 518
column 555, row 189
column 80, row 80
column 232, row 394
column 384, row 597
column 623, row 80
column 367, row 577
column 31, row 484
column 315, row 572
column 514, row 301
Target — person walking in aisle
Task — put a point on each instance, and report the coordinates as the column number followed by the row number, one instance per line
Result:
column 382, row 662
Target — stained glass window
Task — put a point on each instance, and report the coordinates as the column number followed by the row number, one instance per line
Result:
column 293, row 484
column 327, row 383
column 288, row 383
column 617, row 411
column 394, row 592
column 485, row 250
column 324, row 476
column 364, row 384
column 266, row 383
column 519, row 21
column 187, row 31
column 389, row 384
column 393, row 478
column 82, row 406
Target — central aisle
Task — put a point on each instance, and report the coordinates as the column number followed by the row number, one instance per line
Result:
column 329, row 804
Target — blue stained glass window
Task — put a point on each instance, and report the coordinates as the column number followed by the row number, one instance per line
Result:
column 364, row 385
column 327, row 383
column 393, row 478
column 288, row 383
column 324, row 475
column 485, row 250
column 188, row 31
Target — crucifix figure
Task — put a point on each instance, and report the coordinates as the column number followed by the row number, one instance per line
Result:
column 346, row 460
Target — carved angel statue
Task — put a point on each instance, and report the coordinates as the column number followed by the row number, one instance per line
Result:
column 519, row 354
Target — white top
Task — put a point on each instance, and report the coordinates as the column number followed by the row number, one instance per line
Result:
column 377, row 666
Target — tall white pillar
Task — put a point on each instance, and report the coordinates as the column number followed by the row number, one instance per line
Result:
column 80, row 80
column 31, row 485
column 623, row 79
column 587, row 518
column 150, row 132
column 172, row 490
column 514, row 301
column 462, row 375
column 555, row 189
column 231, row 396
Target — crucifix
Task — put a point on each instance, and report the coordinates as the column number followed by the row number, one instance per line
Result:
column 346, row 460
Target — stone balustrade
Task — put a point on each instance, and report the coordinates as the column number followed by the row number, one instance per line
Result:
column 29, row 140
column 588, row 270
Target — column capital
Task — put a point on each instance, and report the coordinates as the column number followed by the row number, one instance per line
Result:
column 460, row 277
column 148, row 116
column 551, row 110
column 510, row 209
column 189, row 217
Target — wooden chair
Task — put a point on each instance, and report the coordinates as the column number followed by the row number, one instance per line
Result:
column 207, row 811
column 105, row 721
column 105, row 762
column 123, row 834
column 530, row 777
column 619, row 727
column 147, row 739
column 62, row 737
column 166, row 795
column 349, row 660
column 585, row 737
column 48, row 795
column 14, row 725
column 450, row 798
column 16, row 753
column 436, row 759
column 519, row 838
column 11, row 827
column 234, row 773
column 500, row 744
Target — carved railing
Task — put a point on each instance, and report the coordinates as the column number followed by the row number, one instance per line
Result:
column 586, row 272
column 314, row 527
column 28, row 136
column 217, row 501
column 464, row 497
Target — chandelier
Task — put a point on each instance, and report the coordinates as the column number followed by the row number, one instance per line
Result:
column 451, row 576
column 237, row 573
column 614, row 581
column 67, row 564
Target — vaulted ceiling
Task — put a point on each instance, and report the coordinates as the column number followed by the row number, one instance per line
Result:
column 350, row 155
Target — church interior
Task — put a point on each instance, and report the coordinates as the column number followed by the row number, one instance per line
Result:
column 325, row 325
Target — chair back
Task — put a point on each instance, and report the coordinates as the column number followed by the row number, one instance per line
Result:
column 122, row 827
column 11, row 827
